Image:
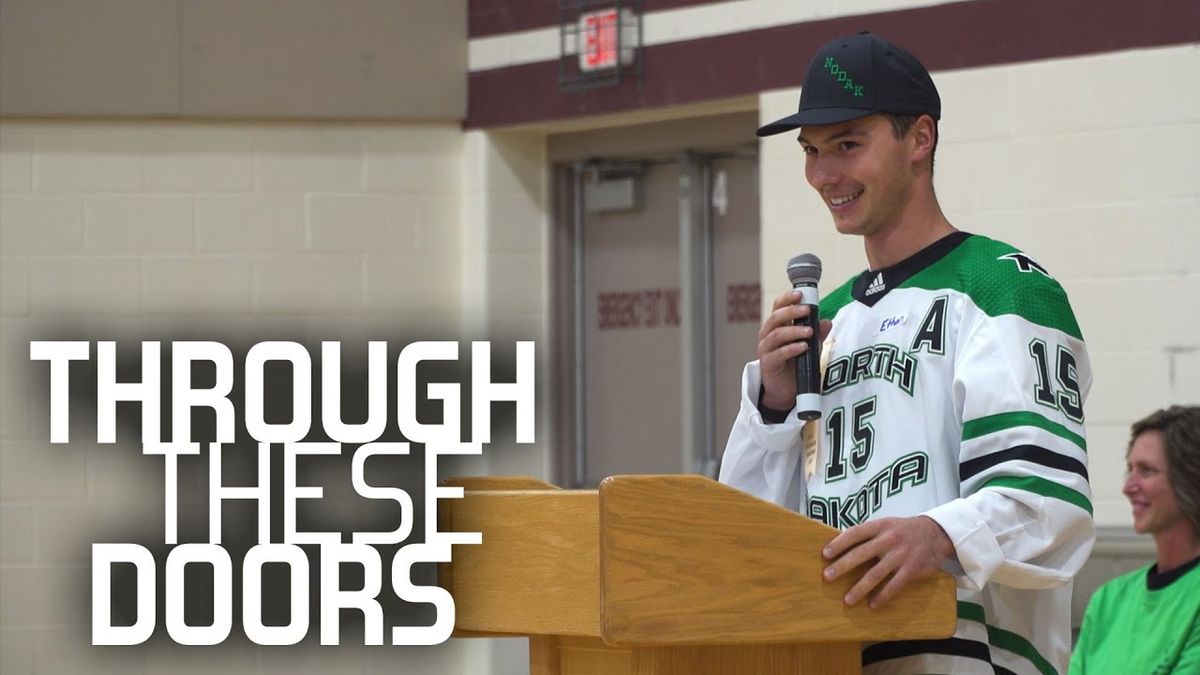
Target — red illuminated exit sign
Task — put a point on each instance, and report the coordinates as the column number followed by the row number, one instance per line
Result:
column 606, row 39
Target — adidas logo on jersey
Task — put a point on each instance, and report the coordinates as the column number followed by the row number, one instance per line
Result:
column 877, row 286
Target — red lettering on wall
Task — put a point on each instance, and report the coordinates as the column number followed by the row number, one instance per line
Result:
column 743, row 303
column 651, row 308
column 657, row 307
column 673, row 307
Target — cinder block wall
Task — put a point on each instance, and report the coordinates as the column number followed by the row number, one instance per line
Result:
column 1089, row 164
column 506, row 229
column 134, row 231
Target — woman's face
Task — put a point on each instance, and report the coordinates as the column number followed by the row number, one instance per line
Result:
column 1147, row 486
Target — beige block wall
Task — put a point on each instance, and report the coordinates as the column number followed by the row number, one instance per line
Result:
column 506, row 229
column 236, row 232
column 504, row 277
column 1090, row 164
column 266, row 59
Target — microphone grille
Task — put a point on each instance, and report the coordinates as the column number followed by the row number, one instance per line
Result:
column 804, row 269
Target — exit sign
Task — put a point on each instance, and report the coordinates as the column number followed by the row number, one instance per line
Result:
column 598, row 43
column 601, row 43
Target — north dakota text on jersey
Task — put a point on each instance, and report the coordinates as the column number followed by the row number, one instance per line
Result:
column 843, row 512
column 877, row 361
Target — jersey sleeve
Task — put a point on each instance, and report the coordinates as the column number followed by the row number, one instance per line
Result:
column 764, row 459
column 1024, row 517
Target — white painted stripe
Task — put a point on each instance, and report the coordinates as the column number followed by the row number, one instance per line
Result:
column 676, row 25
column 512, row 49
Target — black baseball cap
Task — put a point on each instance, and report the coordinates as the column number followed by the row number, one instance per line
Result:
column 858, row 75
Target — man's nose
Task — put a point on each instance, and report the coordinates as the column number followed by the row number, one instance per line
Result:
column 822, row 172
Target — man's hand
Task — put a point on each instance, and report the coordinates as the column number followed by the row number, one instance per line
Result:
column 778, row 343
column 905, row 548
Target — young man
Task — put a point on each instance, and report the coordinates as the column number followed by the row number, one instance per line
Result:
column 952, row 397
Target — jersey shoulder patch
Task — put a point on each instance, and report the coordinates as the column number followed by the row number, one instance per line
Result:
column 1001, row 279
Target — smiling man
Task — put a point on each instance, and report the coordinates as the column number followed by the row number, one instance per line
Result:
column 951, row 434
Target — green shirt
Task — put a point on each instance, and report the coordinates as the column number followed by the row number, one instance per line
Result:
column 1142, row 622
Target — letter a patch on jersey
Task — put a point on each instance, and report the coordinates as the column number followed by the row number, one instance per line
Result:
column 931, row 336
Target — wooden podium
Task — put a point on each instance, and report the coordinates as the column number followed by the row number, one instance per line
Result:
column 664, row 575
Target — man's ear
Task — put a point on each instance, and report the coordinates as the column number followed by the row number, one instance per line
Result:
column 924, row 138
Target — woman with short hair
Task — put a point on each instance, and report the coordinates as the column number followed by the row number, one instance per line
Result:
column 1148, row 621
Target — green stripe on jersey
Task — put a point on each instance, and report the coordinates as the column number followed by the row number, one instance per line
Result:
column 1043, row 487
column 971, row 612
column 1004, row 639
column 997, row 285
column 1022, row 418
column 1018, row 645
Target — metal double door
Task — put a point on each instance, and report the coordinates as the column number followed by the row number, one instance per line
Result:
column 666, row 311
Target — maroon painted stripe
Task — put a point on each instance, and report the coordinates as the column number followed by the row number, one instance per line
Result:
column 494, row 17
column 945, row 37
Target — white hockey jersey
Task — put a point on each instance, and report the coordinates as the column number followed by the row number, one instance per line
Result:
column 954, row 388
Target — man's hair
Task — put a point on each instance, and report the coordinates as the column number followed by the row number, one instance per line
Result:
column 1180, row 429
column 902, row 123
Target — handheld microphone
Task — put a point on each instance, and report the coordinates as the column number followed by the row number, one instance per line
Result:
column 804, row 271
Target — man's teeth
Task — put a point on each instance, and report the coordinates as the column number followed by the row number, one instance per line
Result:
column 838, row 201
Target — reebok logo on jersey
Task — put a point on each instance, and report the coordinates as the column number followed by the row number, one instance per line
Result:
column 877, row 286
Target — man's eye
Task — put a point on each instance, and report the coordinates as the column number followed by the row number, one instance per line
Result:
column 846, row 146
column 809, row 150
